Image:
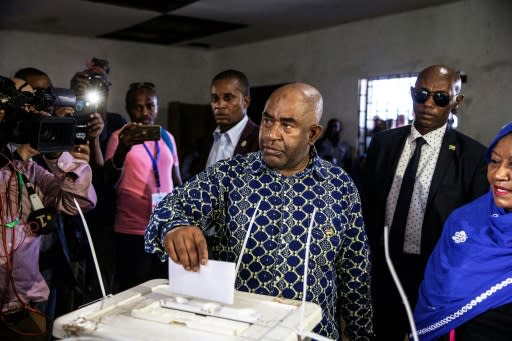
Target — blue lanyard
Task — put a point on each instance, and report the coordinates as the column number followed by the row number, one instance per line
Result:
column 154, row 162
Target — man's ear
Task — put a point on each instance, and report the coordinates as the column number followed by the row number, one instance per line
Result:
column 247, row 101
column 314, row 133
column 458, row 101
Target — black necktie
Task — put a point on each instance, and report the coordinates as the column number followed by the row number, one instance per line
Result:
column 397, row 231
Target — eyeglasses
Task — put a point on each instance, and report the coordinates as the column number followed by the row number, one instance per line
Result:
column 145, row 85
column 440, row 98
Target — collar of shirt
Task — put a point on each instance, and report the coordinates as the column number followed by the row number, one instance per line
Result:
column 234, row 133
column 433, row 138
column 315, row 165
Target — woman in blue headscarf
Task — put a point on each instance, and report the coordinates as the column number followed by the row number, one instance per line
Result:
column 466, row 294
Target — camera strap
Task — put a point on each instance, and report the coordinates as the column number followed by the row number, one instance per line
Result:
column 41, row 220
column 34, row 199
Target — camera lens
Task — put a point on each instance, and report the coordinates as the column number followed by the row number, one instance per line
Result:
column 55, row 134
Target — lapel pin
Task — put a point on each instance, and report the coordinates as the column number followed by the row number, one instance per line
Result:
column 243, row 144
column 452, row 147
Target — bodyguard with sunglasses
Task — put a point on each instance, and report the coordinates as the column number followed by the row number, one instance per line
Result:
column 416, row 176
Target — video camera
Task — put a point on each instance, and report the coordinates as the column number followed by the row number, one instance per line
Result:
column 45, row 134
column 47, row 99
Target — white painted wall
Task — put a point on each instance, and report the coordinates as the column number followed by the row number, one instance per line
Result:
column 472, row 35
column 179, row 74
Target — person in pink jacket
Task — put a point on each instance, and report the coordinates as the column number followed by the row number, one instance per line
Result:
column 24, row 188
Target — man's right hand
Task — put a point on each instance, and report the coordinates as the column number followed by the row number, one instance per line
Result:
column 96, row 125
column 130, row 135
column 186, row 245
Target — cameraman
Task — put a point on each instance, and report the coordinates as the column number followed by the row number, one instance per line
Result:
column 95, row 79
column 62, row 248
column 23, row 291
column 101, row 220
column 40, row 81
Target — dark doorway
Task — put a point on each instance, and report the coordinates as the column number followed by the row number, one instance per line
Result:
column 259, row 96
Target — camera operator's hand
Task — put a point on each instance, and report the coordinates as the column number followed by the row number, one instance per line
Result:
column 64, row 111
column 81, row 152
column 96, row 126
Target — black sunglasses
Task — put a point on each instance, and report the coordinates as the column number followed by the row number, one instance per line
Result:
column 145, row 85
column 440, row 98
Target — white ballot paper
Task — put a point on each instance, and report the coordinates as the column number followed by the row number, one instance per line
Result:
column 214, row 281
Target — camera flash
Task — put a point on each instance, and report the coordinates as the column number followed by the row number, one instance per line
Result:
column 93, row 97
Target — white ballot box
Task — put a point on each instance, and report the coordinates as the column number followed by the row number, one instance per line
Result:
column 150, row 311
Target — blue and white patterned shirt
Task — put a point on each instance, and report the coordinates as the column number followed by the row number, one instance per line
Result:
column 224, row 197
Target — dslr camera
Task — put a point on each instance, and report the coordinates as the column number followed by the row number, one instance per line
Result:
column 97, row 80
column 43, row 133
column 92, row 85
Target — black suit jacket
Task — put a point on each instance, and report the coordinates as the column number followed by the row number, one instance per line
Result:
column 459, row 177
column 248, row 142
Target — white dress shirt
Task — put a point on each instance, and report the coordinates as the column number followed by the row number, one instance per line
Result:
column 426, row 167
column 224, row 143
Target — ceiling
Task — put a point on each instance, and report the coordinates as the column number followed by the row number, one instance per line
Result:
column 193, row 23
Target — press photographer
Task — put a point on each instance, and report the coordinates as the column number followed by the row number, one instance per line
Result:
column 92, row 86
column 88, row 125
column 25, row 187
column 27, row 120
column 61, row 251
column 95, row 80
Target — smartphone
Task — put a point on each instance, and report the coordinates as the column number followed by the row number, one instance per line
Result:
column 147, row 132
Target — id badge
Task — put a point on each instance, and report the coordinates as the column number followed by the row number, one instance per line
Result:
column 156, row 198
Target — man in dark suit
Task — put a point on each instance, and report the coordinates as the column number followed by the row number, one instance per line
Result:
column 235, row 133
column 450, row 172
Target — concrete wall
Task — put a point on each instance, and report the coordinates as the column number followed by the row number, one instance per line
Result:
column 179, row 74
column 471, row 35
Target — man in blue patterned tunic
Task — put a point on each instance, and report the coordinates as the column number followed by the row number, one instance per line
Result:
column 287, row 180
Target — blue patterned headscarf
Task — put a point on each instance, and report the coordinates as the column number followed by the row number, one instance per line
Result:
column 470, row 269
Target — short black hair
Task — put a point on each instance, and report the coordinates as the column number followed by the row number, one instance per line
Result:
column 26, row 72
column 234, row 74
column 134, row 87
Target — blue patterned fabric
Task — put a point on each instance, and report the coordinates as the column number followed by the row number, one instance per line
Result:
column 224, row 198
column 470, row 269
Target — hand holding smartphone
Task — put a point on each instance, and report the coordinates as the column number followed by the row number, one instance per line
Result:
column 134, row 133
column 146, row 133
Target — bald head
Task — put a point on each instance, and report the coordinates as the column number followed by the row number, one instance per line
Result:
column 435, row 95
column 289, row 127
column 305, row 96
column 440, row 73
